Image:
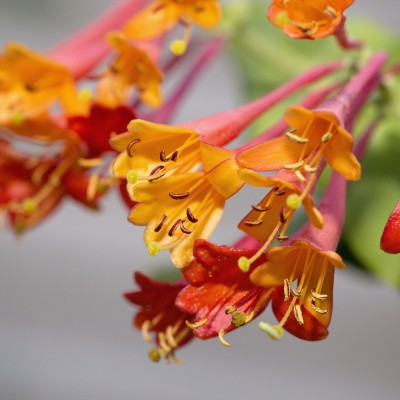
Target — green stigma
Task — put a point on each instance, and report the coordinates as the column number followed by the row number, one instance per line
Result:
column 178, row 47
column 244, row 264
column 239, row 318
column 85, row 94
column 153, row 249
column 275, row 332
column 29, row 206
column 154, row 355
column 17, row 117
column 132, row 177
column 293, row 201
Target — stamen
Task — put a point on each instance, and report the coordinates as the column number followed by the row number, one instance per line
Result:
column 281, row 238
column 161, row 223
column 183, row 229
column 310, row 169
column 170, row 337
column 174, row 156
column 298, row 314
column 282, row 215
column 275, row 332
column 330, row 11
column 318, row 296
column 300, row 176
column 296, row 165
column 179, row 196
column 296, row 138
column 89, row 162
column 163, row 343
column 145, row 330
column 317, row 309
column 261, row 208
column 162, row 156
column 279, row 192
column 286, row 289
column 230, row 309
column 253, row 223
column 130, row 145
column 196, row 324
column 221, row 338
column 155, row 172
column 297, row 293
column 174, row 227
column 325, row 138
column 190, row 216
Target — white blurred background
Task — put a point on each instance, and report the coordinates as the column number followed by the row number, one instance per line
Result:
column 65, row 331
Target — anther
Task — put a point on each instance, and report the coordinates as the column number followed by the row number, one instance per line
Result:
column 145, row 331
column 161, row 223
column 179, row 196
column 297, row 293
column 294, row 165
column 230, row 310
column 261, row 208
column 279, row 192
column 282, row 238
column 296, row 138
column 330, row 12
column 190, row 216
column 163, row 158
column 317, row 309
column 196, row 324
column 174, row 156
column 310, row 169
column 156, row 170
column 154, row 355
column 286, row 289
column 282, row 215
column 299, row 176
column 130, row 145
column 275, row 332
column 253, row 223
column 183, row 229
column 318, row 296
column 221, row 338
column 298, row 314
column 174, row 227
column 325, row 138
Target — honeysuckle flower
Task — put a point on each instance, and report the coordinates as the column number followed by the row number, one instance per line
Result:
column 303, row 270
column 35, row 184
column 308, row 18
column 162, row 15
column 390, row 240
column 182, row 208
column 159, row 315
column 131, row 68
column 318, row 134
column 274, row 212
column 31, row 83
column 218, row 293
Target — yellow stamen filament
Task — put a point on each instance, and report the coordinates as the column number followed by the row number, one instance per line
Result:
column 92, row 186
column 196, row 324
column 221, row 338
column 89, row 162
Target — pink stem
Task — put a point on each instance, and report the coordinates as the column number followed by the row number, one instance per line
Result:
column 344, row 40
column 221, row 128
column 209, row 52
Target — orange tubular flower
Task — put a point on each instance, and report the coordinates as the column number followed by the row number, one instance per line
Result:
column 162, row 15
column 311, row 19
column 179, row 209
column 221, row 296
column 158, row 314
column 318, row 134
column 31, row 83
column 131, row 68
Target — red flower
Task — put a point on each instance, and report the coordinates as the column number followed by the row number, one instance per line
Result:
column 159, row 314
column 219, row 293
column 390, row 240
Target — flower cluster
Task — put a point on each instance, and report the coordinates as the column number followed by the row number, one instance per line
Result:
column 176, row 179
